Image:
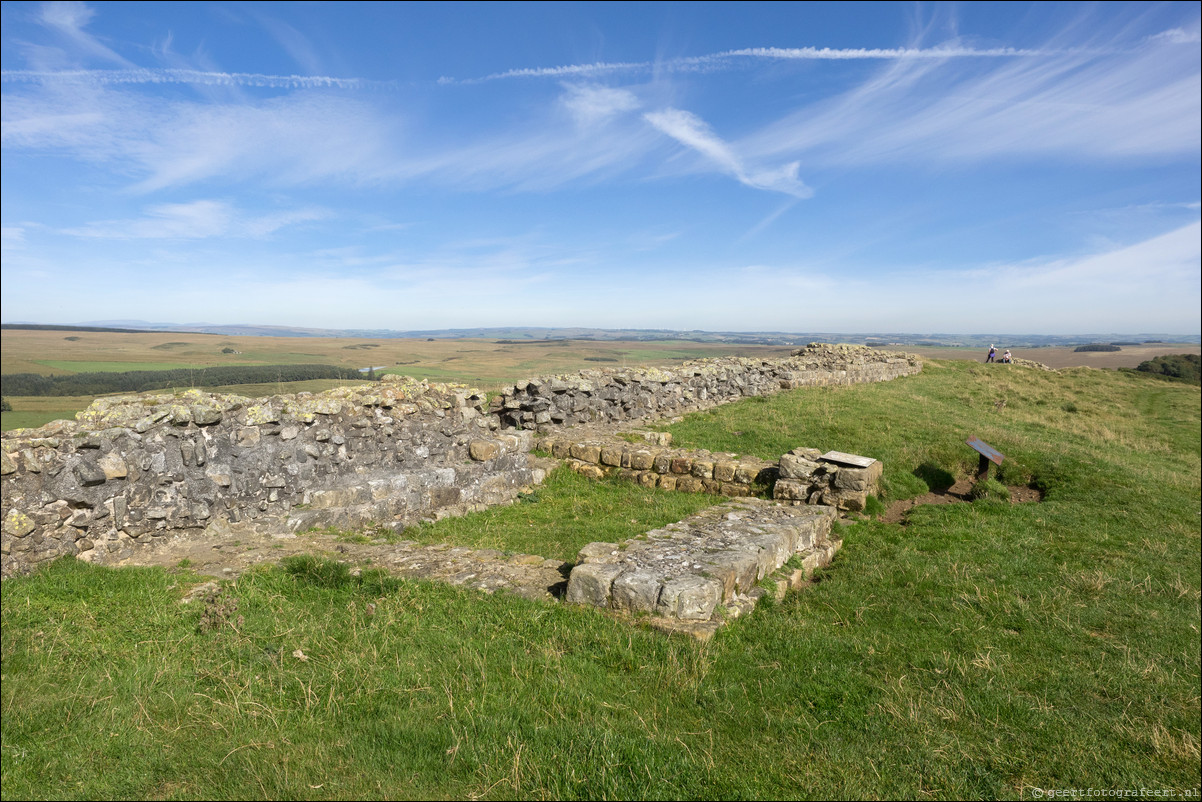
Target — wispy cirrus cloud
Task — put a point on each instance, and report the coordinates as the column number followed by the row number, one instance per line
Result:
column 1142, row 101
column 199, row 219
column 68, row 20
column 732, row 58
column 1052, row 294
column 187, row 76
column 692, row 132
column 590, row 104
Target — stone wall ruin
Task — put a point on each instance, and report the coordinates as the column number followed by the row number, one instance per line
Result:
column 133, row 470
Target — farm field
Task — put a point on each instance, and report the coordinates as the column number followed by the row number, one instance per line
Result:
column 52, row 352
column 484, row 364
column 983, row 650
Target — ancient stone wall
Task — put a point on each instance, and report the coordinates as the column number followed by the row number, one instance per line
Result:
column 136, row 469
column 614, row 395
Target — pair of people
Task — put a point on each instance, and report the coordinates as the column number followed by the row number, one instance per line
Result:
column 993, row 355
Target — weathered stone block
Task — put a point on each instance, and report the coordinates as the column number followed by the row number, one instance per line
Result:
column 89, row 473
column 247, row 436
column 18, row 524
column 745, row 472
column 692, row 598
column 791, row 490
column 597, row 552
column 724, row 471
column 587, row 469
column 586, row 452
column 636, row 591
column 113, row 466
column 591, row 583
column 795, row 467
column 735, row 569
column 339, row 497
column 612, row 456
column 483, row 450
column 205, row 415
column 642, row 460
column 859, row 479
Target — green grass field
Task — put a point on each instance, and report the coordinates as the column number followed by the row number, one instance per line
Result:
column 980, row 651
column 69, row 366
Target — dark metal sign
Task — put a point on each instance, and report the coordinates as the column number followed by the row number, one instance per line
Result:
column 988, row 454
column 985, row 450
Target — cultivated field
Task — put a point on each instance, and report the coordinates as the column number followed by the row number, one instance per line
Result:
column 972, row 651
column 484, row 361
column 484, row 364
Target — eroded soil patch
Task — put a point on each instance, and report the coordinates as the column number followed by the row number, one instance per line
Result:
column 956, row 494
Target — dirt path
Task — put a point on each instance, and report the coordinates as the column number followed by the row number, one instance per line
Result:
column 956, row 494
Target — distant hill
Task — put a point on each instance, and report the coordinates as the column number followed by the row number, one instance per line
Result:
column 540, row 333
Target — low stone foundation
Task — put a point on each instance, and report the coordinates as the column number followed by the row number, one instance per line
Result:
column 690, row 471
column 803, row 476
column 694, row 575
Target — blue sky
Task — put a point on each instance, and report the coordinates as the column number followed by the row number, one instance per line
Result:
column 978, row 167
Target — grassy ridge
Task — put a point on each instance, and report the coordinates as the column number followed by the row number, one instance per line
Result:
column 981, row 651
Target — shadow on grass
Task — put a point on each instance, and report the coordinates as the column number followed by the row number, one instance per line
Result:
column 936, row 478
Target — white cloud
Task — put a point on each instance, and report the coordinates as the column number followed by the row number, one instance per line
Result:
column 730, row 58
column 692, row 132
column 199, row 219
column 1178, row 36
column 590, row 104
column 11, row 237
column 174, row 75
column 1170, row 259
column 69, row 19
column 1078, row 104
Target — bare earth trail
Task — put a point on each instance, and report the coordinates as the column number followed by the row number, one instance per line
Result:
column 956, row 494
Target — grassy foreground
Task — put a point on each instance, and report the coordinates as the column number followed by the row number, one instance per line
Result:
column 981, row 651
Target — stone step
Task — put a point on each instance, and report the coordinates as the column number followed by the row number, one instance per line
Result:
column 703, row 568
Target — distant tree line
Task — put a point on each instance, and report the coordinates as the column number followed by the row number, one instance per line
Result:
column 1182, row 367
column 1097, row 347
column 48, row 327
column 137, row 381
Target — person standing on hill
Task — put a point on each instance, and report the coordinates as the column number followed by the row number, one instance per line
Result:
column 992, row 355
